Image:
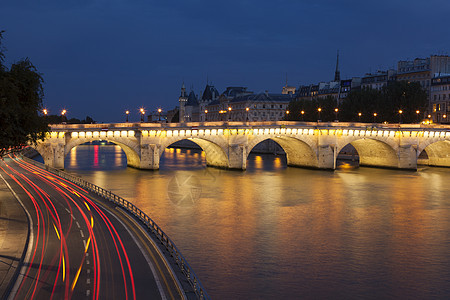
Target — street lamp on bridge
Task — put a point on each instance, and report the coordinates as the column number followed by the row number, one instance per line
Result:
column 229, row 113
column 159, row 114
column 127, row 112
column 359, row 117
column 375, row 117
column 318, row 113
column 400, row 112
column 247, row 109
column 206, row 115
column 142, row 114
column 336, row 110
column 418, row 119
column 302, row 113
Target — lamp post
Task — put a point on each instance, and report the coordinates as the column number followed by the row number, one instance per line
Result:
column 159, row 114
column 222, row 113
column 359, row 117
column 336, row 110
column 142, row 114
column 444, row 118
column 127, row 112
column 418, row 119
column 45, row 111
column 63, row 116
column 247, row 109
column 206, row 115
column 400, row 112
column 374, row 117
column 302, row 113
column 287, row 114
column 229, row 113
column 318, row 113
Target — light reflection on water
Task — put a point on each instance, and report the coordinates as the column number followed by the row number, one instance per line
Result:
column 277, row 232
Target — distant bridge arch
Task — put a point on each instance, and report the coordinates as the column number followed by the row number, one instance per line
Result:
column 300, row 152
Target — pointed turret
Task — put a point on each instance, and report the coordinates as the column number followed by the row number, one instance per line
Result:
column 182, row 99
column 337, row 74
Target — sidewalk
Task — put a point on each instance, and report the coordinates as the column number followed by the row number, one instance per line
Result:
column 13, row 237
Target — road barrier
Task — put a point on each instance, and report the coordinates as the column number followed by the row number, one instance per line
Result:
column 139, row 214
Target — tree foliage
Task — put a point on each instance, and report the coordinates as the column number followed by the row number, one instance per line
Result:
column 310, row 109
column 21, row 94
column 386, row 103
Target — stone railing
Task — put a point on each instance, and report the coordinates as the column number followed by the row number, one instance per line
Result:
column 141, row 216
column 233, row 124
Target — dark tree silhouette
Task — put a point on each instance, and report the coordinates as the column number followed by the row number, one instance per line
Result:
column 21, row 96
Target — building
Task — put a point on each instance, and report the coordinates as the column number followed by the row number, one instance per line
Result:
column 288, row 90
column 319, row 91
column 378, row 80
column 348, row 85
column 209, row 95
column 192, row 109
column 247, row 106
column 421, row 70
column 440, row 98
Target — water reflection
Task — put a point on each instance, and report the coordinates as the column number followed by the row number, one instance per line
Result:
column 278, row 232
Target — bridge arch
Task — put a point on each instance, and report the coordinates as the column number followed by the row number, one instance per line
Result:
column 438, row 153
column 215, row 153
column 127, row 145
column 299, row 153
column 373, row 152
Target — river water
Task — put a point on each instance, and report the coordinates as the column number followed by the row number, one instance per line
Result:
column 276, row 232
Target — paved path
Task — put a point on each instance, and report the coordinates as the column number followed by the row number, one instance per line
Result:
column 13, row 237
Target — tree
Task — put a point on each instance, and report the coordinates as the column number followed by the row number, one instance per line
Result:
column 21, row 94
column 404, row 96
column 310, row 109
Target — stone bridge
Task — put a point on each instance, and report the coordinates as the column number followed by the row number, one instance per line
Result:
column 227, row 144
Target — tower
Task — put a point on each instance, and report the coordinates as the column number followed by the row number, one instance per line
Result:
column 182, row 99
column 337, row 74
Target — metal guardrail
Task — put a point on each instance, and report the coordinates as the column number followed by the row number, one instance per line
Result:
column 135, row 211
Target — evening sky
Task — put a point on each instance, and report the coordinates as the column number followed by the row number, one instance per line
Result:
column 101, row 57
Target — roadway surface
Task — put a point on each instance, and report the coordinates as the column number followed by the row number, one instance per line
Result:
column 81, row 247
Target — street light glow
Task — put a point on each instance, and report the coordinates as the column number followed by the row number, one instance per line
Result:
column 127, row 112
column 319, row 109
column 374, row 114
column 45, row 111
column 400, row 111
column 63, row 112
column 336, row 109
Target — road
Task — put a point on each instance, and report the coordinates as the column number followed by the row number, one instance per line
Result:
column 81, row 247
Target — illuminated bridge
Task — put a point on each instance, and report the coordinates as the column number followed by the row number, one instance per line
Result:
column 227, row 144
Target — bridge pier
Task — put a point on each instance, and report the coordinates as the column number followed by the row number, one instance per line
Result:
column 150, row 155
column 53, row 154
column 407, row 157
column 237, row 157
column 327, row 157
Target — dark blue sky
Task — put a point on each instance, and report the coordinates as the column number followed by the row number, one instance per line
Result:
column 101, row 57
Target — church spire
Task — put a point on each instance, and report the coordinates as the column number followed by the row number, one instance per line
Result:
column 337, row 74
